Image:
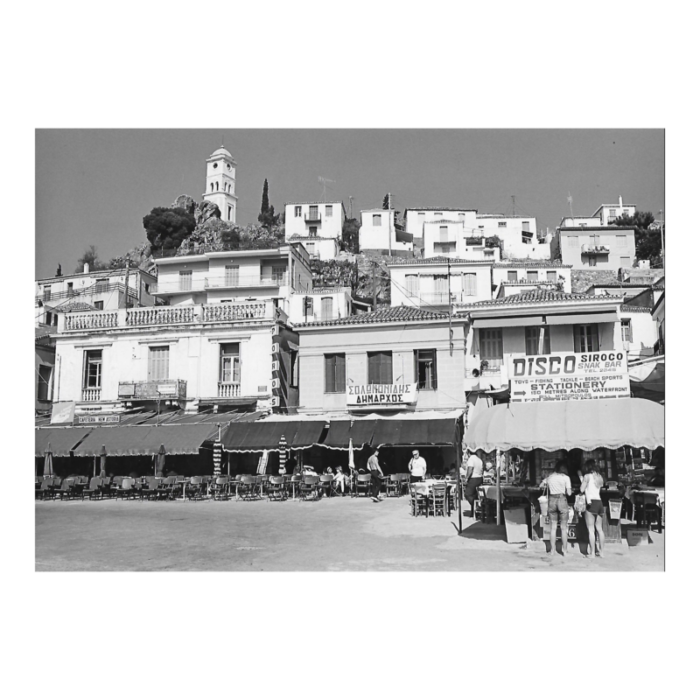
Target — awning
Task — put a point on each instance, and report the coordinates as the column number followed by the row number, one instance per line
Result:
column 308, row 434
column 340, row 432
column 265, row 435
column 507, row 322
column 146, row 440
column 62, row 440
column 437, row 431
column 649, row 381
column 567, row 425
column 569, row 319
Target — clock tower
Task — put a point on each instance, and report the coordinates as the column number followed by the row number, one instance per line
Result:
column 221, row 183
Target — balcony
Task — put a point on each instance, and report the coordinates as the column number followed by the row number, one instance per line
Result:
column 229, row 390
column 442, row 298
column 595, row 249
column 91, row 394
column 87, row 293
column 155, row 316
column 312, row 217
column 229, row 281
column 153, row 390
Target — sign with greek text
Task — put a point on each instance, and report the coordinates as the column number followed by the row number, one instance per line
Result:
column 568, row 376
column 380, row 395
column 90, row 420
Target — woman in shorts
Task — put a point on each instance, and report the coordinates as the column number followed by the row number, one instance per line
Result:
column 590, row 486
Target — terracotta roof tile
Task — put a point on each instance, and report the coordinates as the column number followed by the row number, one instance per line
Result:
column 438, row 260
column 391, row 314
column 532, row 297
column 531, row 263
column 632, row 309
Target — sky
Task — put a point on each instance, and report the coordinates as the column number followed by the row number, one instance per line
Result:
column 94, row 186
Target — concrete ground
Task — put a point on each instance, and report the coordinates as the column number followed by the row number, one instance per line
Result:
column 339, row 534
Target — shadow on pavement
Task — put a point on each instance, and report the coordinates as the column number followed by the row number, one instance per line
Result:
column 484, row 531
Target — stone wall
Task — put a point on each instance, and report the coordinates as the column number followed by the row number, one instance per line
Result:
column 581, row 280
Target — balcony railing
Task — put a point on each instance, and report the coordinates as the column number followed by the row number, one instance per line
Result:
column 223, row 282
column 168, row 316
column 229, row 390
column 432, row 298
column 91, row 394
column 85, row 293
column 595, row 249
column 156, row 390
column 312, row 216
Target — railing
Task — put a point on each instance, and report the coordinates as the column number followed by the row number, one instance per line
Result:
column 235, row 312
column 222, row 282
column 86, row 291
column 429, row 298
column 91, row 394
column 595, row 249
column 91, row 320
column 229, row 390
column 158, row 389
column 160, row 316
column 312, row 216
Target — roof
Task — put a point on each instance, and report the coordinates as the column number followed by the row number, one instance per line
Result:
column 71, row 306
column 437, row 260
column 578, row 229
column 391, row 314
column 621, row 285
column 534, row 297
column 635, row 309
column 504, row 216
column 531, row 263
column 291, row 204
column 221, row 152
column 42, row 331
column 439, row 209
column 97, row 273
column 443, row 221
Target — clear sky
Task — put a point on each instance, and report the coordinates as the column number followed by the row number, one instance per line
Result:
column 95, row 186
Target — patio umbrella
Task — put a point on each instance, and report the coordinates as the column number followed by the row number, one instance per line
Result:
column 160, row 460
column 216, row 456
column 262, row 462
column 48, row 461
column 103, row 461
column 283, row 450
column 351, row 456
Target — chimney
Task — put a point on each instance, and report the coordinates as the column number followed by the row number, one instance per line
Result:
column 86, row 267
column 621, row 201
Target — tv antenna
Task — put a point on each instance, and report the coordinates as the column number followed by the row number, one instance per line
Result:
column 324, row 181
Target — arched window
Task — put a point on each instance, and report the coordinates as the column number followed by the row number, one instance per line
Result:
column 217, row 186
column 212, row 186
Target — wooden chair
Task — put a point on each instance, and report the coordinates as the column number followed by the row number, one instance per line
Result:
column 325, row 485
column 438, row 499
column 419, row 501
column 393, row 485
column 363, row 484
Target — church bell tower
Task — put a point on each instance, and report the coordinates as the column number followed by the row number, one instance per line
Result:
column 221, row 183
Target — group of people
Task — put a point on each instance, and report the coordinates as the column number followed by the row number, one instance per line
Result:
column 558, row 485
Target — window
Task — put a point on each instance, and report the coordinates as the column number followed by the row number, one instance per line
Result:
column 626, row 324
column 47, row 292
column 44, row 387
column 512, row 275
column 230, row 363
column 625, row 261
column 92, row 369
column 438, row 213
column 537, row 340
column 99, row 305
column 613, row 212
column 231, row 275
column 412, row 285
column 69, row 288
column 51, row 319
column 313, row 231
column 185, row 280
column 461, row 216
column 158, row 362
column 376, row 219
column 532, row 275
column 445, row 247
column 573, row 241
column 230, row 209
column 308, row 307
column 481, row 226
column 329, row 210
column 620, row 242
column 525, row 226
column 297, row 211
column 379, row 367
column 425, row 365
column 326, row 308
column 443, row 234
column 592, row 262
column 502, row 224
column 469, row 284
column 294, row 368
column 551, row 276
column 625, row 212
column 441, row 286
column 491, row 346
column 335, row 373
column 311, row 249
column 102, row 285
column 313, row 213
column 278, row 273
column 586, row 338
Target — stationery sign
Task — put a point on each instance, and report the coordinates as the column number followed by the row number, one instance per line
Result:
column 380, row 395
column 568, row 376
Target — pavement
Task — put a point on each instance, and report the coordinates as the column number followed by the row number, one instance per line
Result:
column 337, row 534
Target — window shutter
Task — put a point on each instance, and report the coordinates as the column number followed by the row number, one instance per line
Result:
column 631, row 337
column 330, row 374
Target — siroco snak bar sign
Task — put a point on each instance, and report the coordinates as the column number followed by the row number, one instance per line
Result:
column 569, row 376
column 380, row 395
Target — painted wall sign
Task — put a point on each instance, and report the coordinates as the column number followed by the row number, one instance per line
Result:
column 568, row 376
column 98, row 419
column 373, row 395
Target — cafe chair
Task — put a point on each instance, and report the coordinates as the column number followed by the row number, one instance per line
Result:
column 393, row 485
column 363, row 484
column 67, row 489
column 196, row 488
column 438, row 499
column 309, row 488
column 646, row 508
column 93, row 489
column 419, row 501
column 277, row 489
column 247, row 488
column 219, row 488
column 326, row 485
column 47, row 490
column 126, row 489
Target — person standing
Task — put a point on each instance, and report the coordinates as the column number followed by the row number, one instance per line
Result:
column 590, row 486
column 475, row 478
column 375, row 472
column 559, row 485
column 417, row 467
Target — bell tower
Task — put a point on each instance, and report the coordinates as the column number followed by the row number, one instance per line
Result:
column 221, row 183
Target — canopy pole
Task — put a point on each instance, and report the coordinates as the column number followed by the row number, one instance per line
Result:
column 459, row 487
column 498, row 487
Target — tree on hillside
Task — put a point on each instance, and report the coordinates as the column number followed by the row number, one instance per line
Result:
column 167, row 228
column 90, row 256
column 385, row 203
column 647, row 239
column 350, row 237
column 267, row 215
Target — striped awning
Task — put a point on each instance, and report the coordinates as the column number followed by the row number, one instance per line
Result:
column 266, row 435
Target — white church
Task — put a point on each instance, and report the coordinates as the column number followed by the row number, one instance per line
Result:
column 221, row 183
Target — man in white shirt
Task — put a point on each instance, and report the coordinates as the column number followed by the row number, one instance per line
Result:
column 475, row 478
column 417, row 467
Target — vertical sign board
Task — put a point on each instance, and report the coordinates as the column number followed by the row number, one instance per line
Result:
column 568, row 376
column 280, row 349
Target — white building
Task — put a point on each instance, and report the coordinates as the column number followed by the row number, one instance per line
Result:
column 432, row 283
column 518, row 233
column 320, row 304
column 517, row 276
column 604, row 215
column 417, row 218
column 221, row 183
column 318, row 226
column 91, row 289
column 378, row 233
column 451, row 239
column 602, row 247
